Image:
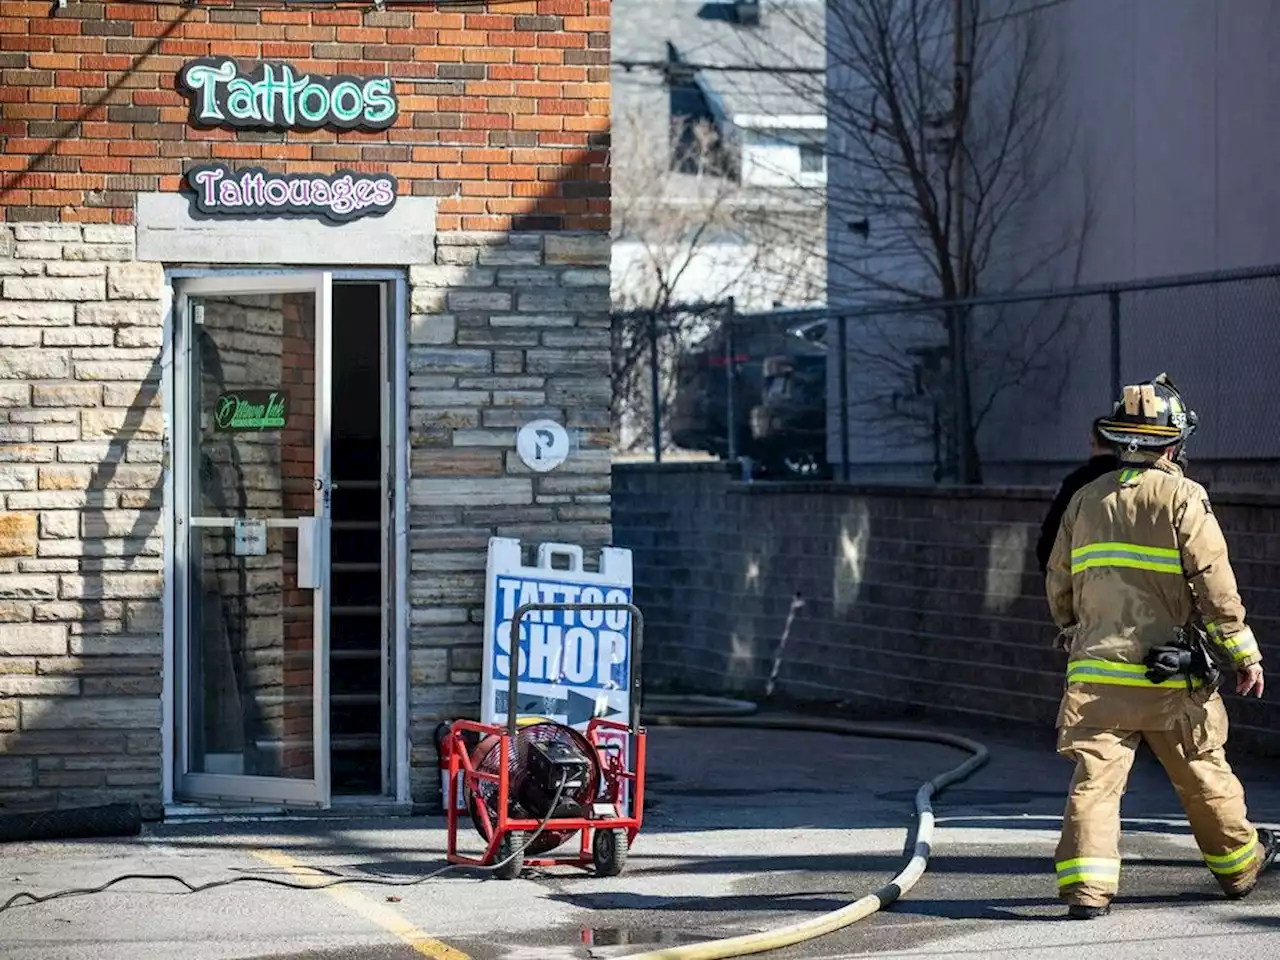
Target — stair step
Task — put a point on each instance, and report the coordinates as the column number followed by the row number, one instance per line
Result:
column 355, row 742
column 355, row 654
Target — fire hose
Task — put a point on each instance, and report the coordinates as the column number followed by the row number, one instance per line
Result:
column 737, row 714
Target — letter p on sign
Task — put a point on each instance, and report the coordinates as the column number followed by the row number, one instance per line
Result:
column 542, row 445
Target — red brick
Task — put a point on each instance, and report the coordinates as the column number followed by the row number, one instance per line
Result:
column 105, row 164
column 549, row 55
column 53, row 28
column 462, row 171
column 564, row 8
column 562, row 74
column 502, row 71
column 524, row 39
column 485, row 188
column 30, row 111
column 93, row 61
column 133, row 148
column 310, row 34
column 361, row 35
column 438, row 21
column 563, row 41
column 513, row 172
column 286, row 51
column 349, row 18
column 130, row 11
column 289, row 16
column 436, row 155
column 586, row 24
column 485, row 21
column 210, row 31
column 487, row 55
column 54, row 61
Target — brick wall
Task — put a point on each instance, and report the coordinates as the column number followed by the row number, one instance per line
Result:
column 495, row 105
column 915, row 601
column 504, row 120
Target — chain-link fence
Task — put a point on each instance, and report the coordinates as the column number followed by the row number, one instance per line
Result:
column 996, row 390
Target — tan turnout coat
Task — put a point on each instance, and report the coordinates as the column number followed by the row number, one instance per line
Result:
column 1138, row 553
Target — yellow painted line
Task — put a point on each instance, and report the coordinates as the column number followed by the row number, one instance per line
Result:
column 375, row 912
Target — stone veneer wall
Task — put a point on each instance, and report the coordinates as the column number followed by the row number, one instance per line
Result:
column 505, row 328
column 80, row 526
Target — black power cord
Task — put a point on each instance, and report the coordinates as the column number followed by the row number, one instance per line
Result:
column 31, row 898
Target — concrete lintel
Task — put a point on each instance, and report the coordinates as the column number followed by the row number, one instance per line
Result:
column 167, row 233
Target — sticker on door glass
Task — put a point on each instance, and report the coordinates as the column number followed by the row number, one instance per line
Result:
column 251, row 410
column 251, row 538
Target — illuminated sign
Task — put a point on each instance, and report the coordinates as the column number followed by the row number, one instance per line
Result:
column 251, row 410
column 278, row 96
column 219, row 191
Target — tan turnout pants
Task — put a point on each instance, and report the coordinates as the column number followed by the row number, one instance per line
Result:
column 1088, row 854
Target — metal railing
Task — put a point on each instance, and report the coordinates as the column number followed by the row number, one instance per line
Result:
column 885, row 392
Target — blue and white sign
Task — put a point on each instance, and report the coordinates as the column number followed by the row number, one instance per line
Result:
column 572, row 665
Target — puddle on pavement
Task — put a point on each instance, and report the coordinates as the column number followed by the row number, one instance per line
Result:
column 623, row 936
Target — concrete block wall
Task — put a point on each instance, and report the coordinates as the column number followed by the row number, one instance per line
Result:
column 915, row 600
column 80, row 526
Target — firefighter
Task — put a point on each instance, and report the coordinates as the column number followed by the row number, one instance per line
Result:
column 1141, row 588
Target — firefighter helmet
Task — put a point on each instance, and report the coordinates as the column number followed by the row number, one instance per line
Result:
column 1150, row 416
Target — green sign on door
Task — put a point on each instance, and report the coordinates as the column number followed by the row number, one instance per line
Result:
column 251, row 410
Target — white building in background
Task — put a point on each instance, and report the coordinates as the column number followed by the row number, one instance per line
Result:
column 1170, row 106
column 670, row 59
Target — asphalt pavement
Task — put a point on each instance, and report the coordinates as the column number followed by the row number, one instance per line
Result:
column 745, row 830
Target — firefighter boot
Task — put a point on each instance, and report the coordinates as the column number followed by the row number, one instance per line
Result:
column 1267, row 841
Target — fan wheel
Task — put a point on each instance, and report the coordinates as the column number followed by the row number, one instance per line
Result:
column 485, row 759
column 609, row 851
column 511, row 854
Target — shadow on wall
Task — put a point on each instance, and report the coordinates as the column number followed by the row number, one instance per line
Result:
column 915, row 601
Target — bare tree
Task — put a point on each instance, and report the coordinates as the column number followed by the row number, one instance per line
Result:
column 679, row 238
column 951, row 151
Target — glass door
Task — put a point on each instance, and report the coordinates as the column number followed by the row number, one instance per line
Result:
column 253, row 491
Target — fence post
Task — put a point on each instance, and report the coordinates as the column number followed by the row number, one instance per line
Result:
column 842, row 350
column 730, row 379
column 1116, row 385
column 655, row 398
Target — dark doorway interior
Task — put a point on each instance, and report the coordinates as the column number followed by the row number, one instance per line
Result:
column 357, row 658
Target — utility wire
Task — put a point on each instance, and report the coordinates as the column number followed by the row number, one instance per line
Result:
column 31, row 898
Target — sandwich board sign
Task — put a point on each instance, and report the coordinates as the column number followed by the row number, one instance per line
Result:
column 573, row 665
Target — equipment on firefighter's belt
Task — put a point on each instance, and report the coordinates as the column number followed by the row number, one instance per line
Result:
column 1149, row 416
column 1187, row 656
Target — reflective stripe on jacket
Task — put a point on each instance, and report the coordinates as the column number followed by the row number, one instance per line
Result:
column 1139, row 550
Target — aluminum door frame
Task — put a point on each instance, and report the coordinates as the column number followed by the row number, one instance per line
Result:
column 212, row 786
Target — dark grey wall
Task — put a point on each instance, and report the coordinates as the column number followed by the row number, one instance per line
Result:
column 916, row 601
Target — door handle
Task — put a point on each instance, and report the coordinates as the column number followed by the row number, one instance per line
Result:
column 310, row 555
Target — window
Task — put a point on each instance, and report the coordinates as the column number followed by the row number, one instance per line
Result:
column 812, row 158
